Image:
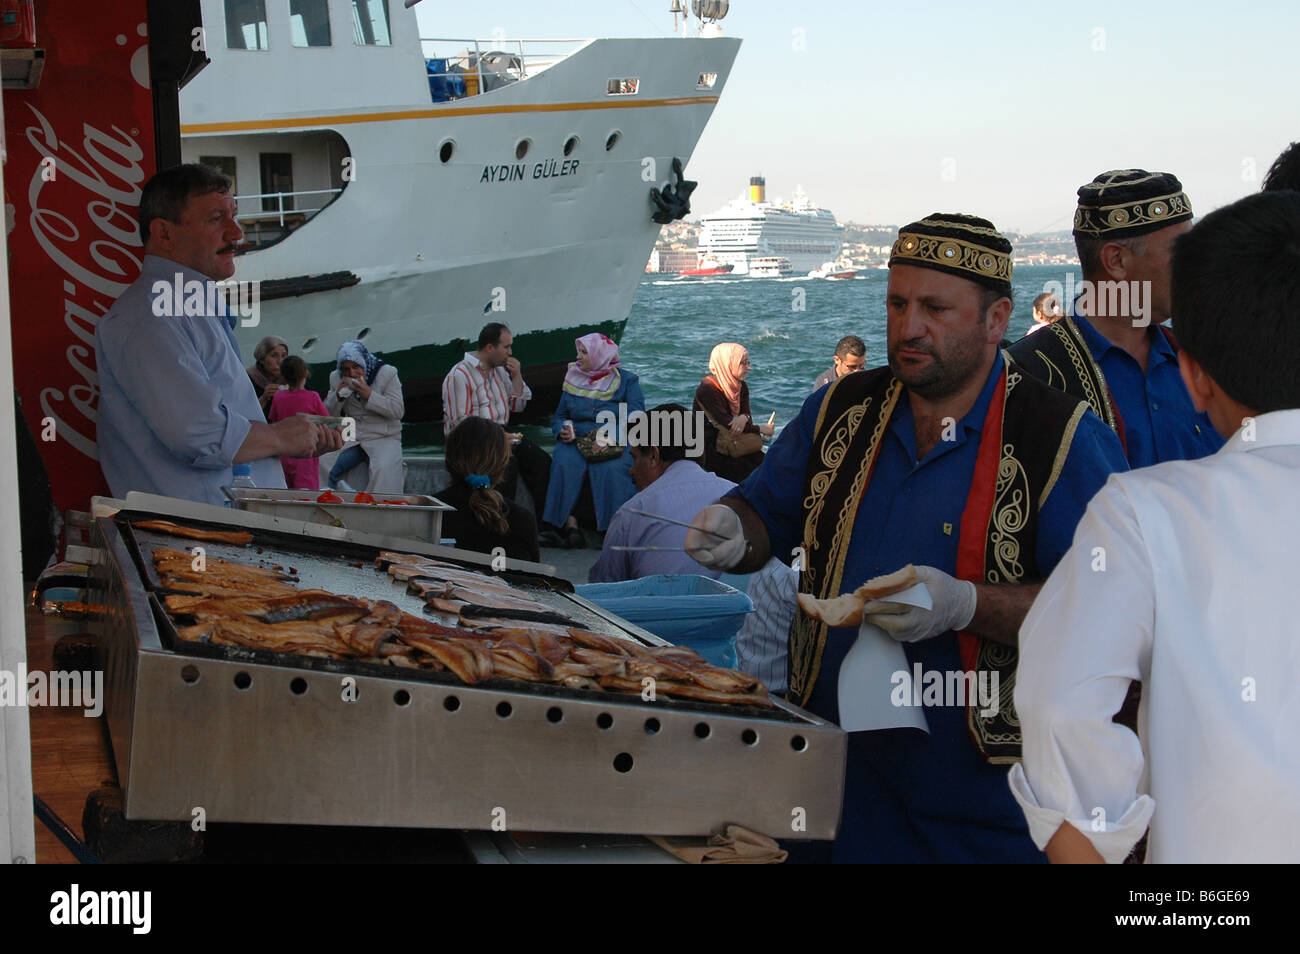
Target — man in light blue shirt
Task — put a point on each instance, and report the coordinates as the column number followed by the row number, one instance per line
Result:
column 177, row 409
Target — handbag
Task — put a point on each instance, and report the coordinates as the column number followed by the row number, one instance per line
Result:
column 585, row 444
column 730, row 444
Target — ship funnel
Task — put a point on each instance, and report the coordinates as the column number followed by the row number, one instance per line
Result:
column 757, row 189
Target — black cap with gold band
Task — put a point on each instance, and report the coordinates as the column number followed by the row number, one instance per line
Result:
column 1125, row 203
column 962, row 245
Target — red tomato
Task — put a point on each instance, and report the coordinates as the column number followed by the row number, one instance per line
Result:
column 363, row 497
column 329, row 497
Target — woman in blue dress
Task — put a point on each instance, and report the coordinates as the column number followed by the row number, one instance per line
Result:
column 594, row 383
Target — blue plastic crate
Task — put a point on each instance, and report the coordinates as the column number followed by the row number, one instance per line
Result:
column 685, row 609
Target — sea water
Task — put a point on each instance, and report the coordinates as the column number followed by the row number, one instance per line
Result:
column 789, row 325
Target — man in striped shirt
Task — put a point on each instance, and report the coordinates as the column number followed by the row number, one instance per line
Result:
column 488, row 383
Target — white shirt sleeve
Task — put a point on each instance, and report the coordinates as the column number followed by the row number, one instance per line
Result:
column 1087, row 635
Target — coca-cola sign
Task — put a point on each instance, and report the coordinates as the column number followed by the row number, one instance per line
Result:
column 79, row 150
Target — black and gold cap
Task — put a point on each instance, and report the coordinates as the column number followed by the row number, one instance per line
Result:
column 962, row 245
column 1124, row 203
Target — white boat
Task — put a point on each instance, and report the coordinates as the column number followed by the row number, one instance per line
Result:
column 831, row 270
column 407, row 190
column 770, row 267
column 750, row 228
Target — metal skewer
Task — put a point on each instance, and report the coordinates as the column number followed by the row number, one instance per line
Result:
column 678, row 523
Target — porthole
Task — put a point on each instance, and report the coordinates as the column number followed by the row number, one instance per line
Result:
column 307, row 345
column 571, row 144
column 521, row 148
column 362, row 333
column 446, row 151
column 613, row 139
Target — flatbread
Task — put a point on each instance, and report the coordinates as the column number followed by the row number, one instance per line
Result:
column 846, row 610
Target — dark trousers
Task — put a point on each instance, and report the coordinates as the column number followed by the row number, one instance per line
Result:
column 534, row 464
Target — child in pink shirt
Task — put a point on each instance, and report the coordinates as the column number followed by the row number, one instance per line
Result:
column 300, row 473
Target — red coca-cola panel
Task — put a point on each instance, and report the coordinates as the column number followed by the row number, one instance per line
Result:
column 79, row 150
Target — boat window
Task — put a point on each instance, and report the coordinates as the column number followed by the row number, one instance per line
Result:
column 277, row 181
column 521, row 148
column 309, row 22
column 446, row 150
column 370, row 22
column 622, row 87
column 612, row 140
column 570, row 144
column 246, row 25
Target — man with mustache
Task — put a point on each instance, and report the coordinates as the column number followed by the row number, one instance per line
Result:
column 177, row 409
column 952, row 459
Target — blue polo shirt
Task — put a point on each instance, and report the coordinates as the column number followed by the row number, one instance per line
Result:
column 1156, row 396
column 910, row 796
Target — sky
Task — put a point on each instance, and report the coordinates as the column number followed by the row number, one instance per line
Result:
column 997, row 109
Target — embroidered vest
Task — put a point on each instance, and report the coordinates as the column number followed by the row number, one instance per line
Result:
column 1026, row 436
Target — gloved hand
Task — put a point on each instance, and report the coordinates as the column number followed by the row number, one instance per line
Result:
column 723, row 551
column 954, row 608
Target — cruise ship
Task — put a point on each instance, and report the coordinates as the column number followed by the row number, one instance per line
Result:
column 406, row 189
column 752, row 228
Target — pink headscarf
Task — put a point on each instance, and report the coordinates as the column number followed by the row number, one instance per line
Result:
column 725, row 366
column 603, row 379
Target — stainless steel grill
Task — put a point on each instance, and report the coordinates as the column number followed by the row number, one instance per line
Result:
column 252, row 736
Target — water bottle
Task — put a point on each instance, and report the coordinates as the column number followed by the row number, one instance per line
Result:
column 243, row 476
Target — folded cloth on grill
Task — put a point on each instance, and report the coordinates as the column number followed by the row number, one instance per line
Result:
column 735, row 846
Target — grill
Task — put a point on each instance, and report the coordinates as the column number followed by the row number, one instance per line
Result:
column 244, row 735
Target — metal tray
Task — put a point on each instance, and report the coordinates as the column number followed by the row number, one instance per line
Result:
column 255, row 736
column 417, row 517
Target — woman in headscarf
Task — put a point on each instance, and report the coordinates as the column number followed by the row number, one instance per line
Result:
column 723, row 396
column 265, row 372
column 478, row 453
column 594, row 383
column 366, row 389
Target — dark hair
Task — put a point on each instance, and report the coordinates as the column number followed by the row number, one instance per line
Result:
column 1284, row 173
column 673, row 451
column 850, row 345
column 1236, row 281
column 294, row 370
column 990, row 295
column 491, row 334
column 1089, row 248
column 479, row 446
column 167, row 193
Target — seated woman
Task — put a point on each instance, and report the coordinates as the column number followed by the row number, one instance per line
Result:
column 478, row 451
column 367, row 390
column 594, row 383
column 723, row 396
column 265, row 372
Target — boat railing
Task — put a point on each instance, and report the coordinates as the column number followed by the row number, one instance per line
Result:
column 465, row 67
column 266, row 226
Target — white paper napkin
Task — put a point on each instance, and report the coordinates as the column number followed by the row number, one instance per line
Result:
column 867, row 675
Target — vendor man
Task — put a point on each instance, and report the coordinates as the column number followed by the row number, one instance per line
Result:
column 1112, row 349
column 176, row 407
column 952, row 459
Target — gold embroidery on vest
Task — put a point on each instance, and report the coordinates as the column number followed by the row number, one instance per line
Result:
column 1010, row 514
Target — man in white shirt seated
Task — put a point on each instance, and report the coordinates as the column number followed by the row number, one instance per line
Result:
column 1182, row 576
column 671, row 485
column 489, row 383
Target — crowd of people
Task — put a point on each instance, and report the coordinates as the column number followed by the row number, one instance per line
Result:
column 1101, row 511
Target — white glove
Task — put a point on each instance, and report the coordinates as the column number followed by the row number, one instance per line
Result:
column 954, row 608
column 724, row 546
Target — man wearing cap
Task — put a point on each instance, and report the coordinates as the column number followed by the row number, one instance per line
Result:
column 1112, row 349
column 952, row 459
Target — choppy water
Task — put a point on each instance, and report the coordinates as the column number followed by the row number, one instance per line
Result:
column 674, row 324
